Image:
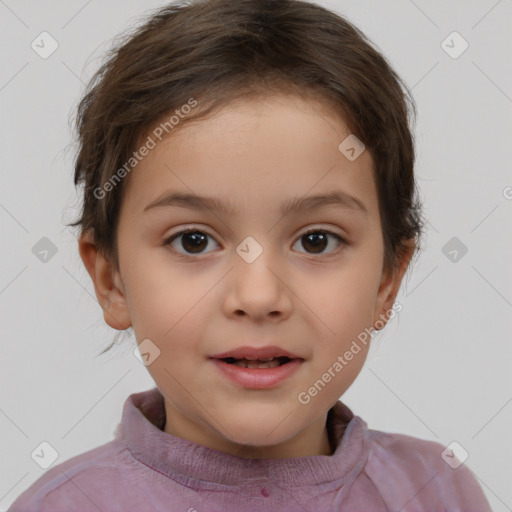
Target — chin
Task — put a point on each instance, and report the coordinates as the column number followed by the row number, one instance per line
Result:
column 254, row 440
column 257, row 430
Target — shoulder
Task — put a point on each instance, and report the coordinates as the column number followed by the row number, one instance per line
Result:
column 419, row 474
column 79, row 482
column 410, row 451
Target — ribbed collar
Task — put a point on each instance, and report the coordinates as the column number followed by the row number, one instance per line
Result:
column 140, row 431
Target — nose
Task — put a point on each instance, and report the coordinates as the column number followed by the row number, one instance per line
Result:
column 258, row 288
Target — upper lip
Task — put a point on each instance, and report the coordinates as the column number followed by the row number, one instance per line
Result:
column 256, row 353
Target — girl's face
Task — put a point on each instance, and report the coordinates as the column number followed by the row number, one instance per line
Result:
column 249, row 274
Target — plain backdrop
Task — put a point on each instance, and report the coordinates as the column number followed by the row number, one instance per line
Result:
column 440, row 370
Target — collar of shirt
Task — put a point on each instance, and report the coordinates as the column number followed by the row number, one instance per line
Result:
column 198, row 466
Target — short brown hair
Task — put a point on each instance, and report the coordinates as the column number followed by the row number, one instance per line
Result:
column 218, row 50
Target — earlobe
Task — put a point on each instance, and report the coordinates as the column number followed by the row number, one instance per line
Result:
column 107, row 283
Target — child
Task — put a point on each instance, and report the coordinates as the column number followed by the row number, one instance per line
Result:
column 250, row 211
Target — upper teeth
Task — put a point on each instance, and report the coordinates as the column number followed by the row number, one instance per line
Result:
column 257, row 363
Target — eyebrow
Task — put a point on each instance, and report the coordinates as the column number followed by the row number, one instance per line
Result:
column 192, row 201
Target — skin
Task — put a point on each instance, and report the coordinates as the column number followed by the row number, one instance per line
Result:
column 258, row 153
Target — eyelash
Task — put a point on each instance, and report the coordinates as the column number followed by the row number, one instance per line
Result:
column 167, row 242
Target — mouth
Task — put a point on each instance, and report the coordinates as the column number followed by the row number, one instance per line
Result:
column 258, row 367
column 270, row 362
column 260, row 354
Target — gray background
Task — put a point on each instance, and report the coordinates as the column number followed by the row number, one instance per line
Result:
column 439, row 371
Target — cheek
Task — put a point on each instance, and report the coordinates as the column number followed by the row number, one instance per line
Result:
column 164, row 299
column 348, row 298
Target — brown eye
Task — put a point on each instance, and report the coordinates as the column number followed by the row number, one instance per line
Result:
column 192, row 241
column 315, row 242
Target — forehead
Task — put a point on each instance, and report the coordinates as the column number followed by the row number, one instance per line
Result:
column 252, row 150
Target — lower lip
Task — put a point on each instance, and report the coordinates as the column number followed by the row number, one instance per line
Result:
column 258, row 378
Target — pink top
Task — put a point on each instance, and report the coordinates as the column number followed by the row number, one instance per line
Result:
column 146, row 469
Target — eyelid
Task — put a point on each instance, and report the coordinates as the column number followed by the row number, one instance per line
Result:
column 187, row 229
column 319, row 227
column 328, row 230
column 191, row 227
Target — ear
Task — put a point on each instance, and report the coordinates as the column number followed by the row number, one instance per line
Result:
column 389, row 286
column 107, row 283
